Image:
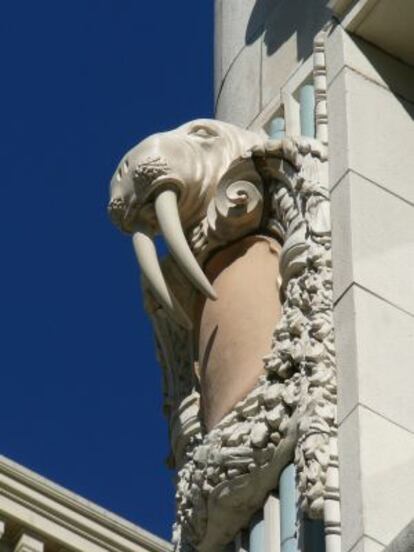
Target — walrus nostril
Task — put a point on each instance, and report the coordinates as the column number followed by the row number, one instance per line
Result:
column 116, row 207
column 116, row 203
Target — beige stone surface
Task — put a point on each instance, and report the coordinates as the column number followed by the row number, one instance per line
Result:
column 288, row 41
column 345, row 323
column 404, row 541
column 271, row 514
column 371, row 135
column 239, row 99
column 339, row 140
column 241, row 23
column 218, row 38
column 27, row 543
column 385, row 23
column 377, row 477
column 350, row 481
column 258, row 46
column 375, row 350
column 387, row 460
column 277, row 68
column 373, row 241
column 342, row 234
column 343, row 49
column 236, row 330
column 371, row 132
column 365, row 544
column 237, row 25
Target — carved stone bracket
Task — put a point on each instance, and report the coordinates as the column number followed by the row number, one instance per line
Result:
column 291, row 412
column 279, row 189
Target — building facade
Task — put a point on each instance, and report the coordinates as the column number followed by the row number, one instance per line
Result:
column 287, row 387
column 265, row 52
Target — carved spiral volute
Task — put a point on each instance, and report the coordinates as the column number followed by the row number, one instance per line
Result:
column 237, row 206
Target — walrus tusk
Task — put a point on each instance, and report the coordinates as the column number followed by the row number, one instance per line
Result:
column 147, row 258
column 166, row 209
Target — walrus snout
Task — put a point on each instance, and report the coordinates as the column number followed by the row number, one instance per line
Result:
column 145, row 194
column 164, row 184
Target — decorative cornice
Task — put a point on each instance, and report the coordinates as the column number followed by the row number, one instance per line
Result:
column 53, row 511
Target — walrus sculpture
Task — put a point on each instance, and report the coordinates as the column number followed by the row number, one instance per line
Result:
column 242, row 312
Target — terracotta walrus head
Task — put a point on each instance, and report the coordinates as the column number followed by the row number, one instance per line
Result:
column 163, row 185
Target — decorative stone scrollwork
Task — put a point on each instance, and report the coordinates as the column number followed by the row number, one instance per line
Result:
column 234, row 211
column 238, row 184
column 237, row 205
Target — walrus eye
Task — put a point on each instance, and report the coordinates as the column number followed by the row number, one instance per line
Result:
column 203, row 132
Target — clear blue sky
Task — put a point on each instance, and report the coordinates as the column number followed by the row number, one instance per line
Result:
column 83, row 81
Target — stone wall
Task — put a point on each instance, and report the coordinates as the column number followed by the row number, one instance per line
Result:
column 258, row 45
column 263, row 55
column 371, row 108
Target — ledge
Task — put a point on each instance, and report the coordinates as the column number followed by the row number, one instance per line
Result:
column 59, row 515
column 385, row 23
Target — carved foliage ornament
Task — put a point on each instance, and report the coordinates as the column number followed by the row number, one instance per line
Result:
column 203, row 186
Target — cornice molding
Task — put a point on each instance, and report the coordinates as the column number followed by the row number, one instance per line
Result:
column 59, row 514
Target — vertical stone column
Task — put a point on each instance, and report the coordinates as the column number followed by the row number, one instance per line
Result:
column 288, row 513
column 272, row 523
column 371, row 130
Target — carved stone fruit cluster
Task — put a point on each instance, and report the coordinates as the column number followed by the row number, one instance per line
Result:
column 241, row 445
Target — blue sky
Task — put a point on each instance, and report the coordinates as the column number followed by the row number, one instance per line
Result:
column 83, row 81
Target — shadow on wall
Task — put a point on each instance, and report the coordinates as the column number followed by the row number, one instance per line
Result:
column 278, row 20
column 397, row 75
